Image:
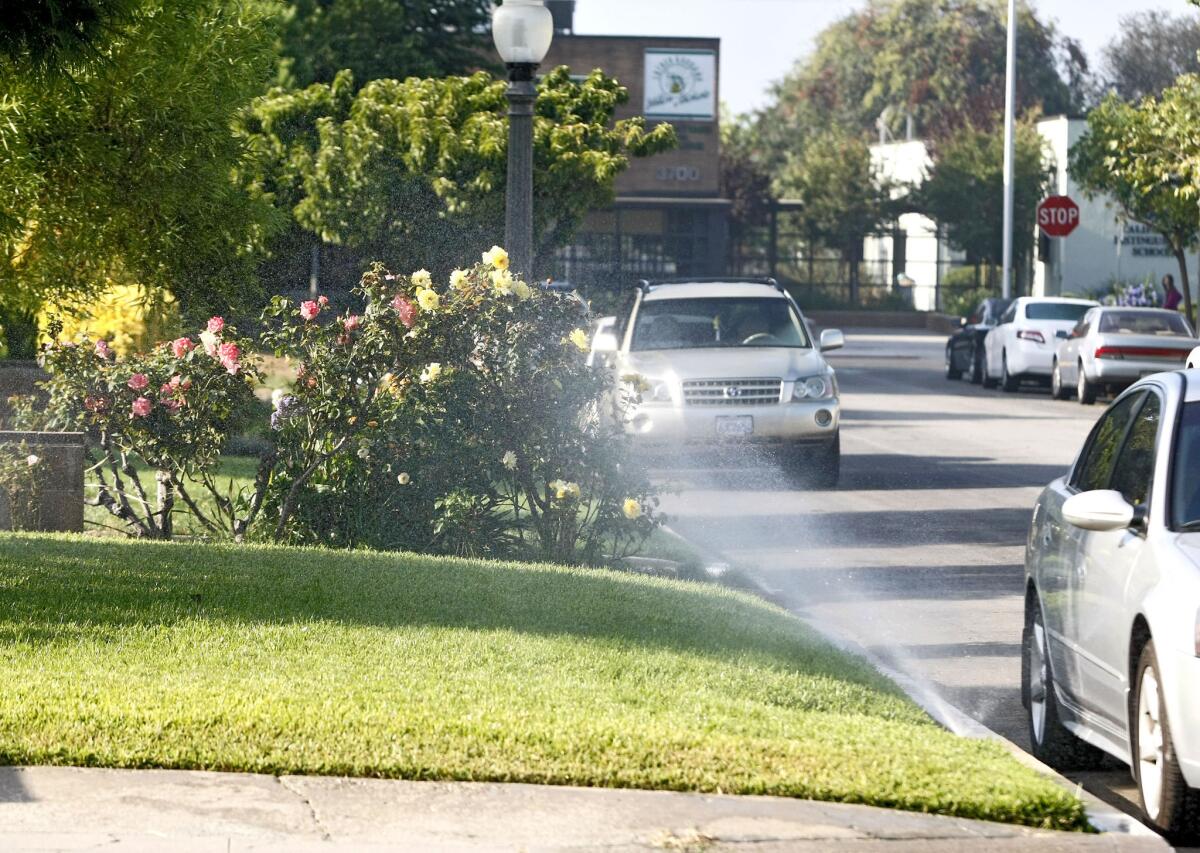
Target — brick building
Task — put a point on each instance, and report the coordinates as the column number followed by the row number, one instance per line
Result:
column 669, row 217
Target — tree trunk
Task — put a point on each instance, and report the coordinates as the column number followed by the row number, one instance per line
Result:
column 1186, row 286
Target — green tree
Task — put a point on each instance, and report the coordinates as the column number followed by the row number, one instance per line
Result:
column 1144, row 158
column 1151, row 50
column 964, row 191
column 940, row 62
column 121, row 168
column 375, row 39
column 48, row 33
column 414, row 171
column 845, row 197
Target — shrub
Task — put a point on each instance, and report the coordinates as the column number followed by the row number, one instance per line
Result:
column 20, row 485
column 171, row 409
column 461, row 420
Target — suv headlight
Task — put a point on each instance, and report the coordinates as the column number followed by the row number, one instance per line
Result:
column 650, row 389
column 815, row 387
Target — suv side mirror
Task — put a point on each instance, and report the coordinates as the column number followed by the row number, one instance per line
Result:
column 1101, row 510
column 832, row 339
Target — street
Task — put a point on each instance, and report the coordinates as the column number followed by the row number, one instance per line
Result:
column 918, row 555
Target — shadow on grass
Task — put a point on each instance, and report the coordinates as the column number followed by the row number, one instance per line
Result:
column 55, row 588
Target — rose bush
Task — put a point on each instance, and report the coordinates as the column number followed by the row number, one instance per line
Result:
column 171, row 409
column 461, row 420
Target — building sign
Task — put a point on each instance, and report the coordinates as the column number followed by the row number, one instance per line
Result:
column 1142, row 242
column 681, row 84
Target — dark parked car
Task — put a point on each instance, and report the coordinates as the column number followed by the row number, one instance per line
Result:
column 964, row 350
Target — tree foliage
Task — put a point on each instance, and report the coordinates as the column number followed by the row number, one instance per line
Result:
column 47, row 33
column 964, row 191
column 942, row 62
column 1145, row 159
column 414, row 171
column 121, row 169
column 375, row 39
column 1151, row 50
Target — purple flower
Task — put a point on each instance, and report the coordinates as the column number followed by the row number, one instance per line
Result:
column 288, row 407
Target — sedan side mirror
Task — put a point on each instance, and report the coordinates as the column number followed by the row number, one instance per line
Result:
column 605, row 341
column 832, row 339
column 1101, row 510
column 1063, row 334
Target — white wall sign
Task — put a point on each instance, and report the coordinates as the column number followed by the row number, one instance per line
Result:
column 681, row 84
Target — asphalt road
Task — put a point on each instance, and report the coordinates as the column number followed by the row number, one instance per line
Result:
column 918, row 555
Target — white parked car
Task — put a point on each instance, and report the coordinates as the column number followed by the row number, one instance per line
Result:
column 1111, row 646
column 728, row 360
column 1110, row 348
column 1022, row 344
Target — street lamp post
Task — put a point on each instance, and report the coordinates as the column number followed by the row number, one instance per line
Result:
column 522, row 30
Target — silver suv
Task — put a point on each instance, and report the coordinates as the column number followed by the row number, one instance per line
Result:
column 727, row 360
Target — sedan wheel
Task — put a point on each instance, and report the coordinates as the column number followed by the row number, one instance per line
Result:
column 976, row 368
column 1085, row 391
column 1169, row 805
column 1007, row 381
column 1057, row 391
column 951, row 371
column 1052, row 742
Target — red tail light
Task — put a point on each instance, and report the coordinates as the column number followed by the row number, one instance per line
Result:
column 1030, row 335
column 1142, row 352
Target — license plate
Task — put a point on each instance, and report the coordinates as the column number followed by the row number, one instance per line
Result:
column 736, row 426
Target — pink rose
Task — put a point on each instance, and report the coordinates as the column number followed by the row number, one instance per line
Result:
column 138, row 381
column 172, row 405
column 166, row 389
column 323, row 301
column 185, row 385
column 228, row 354
column 216, row 325
column 343, row 339
column 182, row 346
column 309, row 310
column 141, row 407
column 102, row 349
column 352, row 322
column 406, row 310
column 95, row 404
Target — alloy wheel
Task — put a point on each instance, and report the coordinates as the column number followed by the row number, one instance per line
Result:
column 1037, row 680
column 1151, row 744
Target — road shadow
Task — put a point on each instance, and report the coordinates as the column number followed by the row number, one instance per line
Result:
column 12, row 786
column 871, row 415
column 894, row 471
column 814, row 587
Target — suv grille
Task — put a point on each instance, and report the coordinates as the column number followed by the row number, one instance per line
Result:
column 732, row 392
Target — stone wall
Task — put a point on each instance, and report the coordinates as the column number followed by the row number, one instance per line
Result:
column 60, row 472
column 18, row 378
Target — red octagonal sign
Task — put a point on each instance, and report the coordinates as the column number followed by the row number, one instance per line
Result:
column 1058, row 216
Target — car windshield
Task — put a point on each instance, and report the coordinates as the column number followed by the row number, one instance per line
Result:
column 1144, row 323
column 1055, row 311
column 1185, row 469
column 716, row 322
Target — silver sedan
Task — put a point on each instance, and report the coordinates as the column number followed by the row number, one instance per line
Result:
column 1111, row 647
column 1111, row 347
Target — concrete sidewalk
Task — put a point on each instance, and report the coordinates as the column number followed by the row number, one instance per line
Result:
column 53, row 808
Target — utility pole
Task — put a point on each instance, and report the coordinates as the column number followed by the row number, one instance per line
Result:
column 1010, row 106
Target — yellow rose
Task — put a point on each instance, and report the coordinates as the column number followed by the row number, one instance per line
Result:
column 631, row 508
column 509, row 460
column 428, row 299
column 502, row 280
column 403, row 478
column 458, row 280
column 496, row 257
column 422, row 278
column 580, row 339
column 432, row 371
column 523, row 290
column 564, row 490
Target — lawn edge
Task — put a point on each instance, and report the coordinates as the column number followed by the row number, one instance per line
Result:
column 1102, row 817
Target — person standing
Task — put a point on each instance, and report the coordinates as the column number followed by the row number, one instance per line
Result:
column 1171, row 295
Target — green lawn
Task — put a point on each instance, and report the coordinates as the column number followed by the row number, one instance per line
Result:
column 131, row 654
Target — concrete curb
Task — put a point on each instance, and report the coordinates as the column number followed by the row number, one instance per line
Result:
column 1104, row 818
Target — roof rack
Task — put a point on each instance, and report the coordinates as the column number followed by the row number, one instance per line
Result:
column 647, row 284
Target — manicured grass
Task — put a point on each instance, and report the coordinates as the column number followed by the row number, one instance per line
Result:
column 127, row 654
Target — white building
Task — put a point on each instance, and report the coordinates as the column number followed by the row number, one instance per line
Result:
column 1100, row 251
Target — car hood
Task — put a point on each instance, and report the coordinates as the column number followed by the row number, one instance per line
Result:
column 742, row 363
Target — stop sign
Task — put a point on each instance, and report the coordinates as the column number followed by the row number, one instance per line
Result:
column 1058, row 215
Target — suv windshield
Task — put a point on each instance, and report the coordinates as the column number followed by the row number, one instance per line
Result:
column 716, row 322
column 1144, row 323
column 1055, row 311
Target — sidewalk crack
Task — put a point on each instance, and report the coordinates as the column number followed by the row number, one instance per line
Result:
column 312, row 811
